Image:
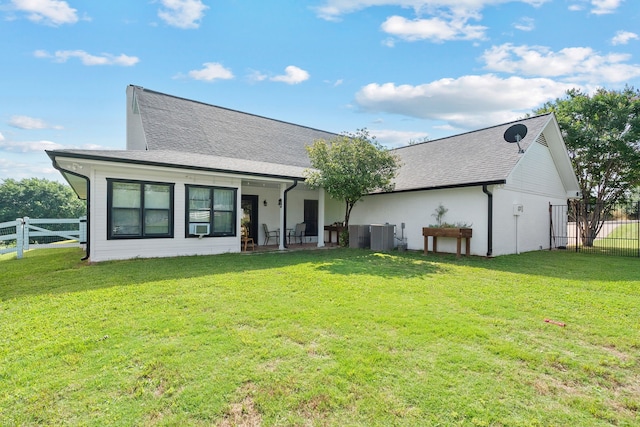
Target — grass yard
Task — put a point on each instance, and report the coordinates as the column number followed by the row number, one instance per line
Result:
column 320, row 338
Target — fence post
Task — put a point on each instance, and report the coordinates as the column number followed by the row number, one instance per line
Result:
column 25, row 242
column 19, row 237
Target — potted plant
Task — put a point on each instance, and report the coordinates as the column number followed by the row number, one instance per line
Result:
column 459, row 230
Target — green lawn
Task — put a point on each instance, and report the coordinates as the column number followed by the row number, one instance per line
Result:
column 320, row 338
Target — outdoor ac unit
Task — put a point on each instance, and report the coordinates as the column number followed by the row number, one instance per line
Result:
column 359, row 236
column 382, row 236
column 199, row 229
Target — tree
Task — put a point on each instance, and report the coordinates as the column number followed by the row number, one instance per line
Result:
column 350, row 166
column 602, row 134
column 38, row 198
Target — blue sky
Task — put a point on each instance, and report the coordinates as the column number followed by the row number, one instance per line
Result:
column 406, row 69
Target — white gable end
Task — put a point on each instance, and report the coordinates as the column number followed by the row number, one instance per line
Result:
column 536, row 173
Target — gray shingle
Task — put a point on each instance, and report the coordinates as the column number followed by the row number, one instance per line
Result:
column 466, row 159
column 177, row 124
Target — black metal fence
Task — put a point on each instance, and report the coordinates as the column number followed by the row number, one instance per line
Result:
column 596, row 228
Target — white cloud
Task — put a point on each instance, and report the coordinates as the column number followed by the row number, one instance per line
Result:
column 435, row 29
column 397, row 138
column 28, row 166
column 257, row 76
column 211, row 71
column 29, row 146
column 624, row 37
column 50, row 12
column 40, row 146
column 332, row 10
column 574, row 63
column 293, row 75
column 87, row 58
column 525, row 24
column 182, row 13
column 26, row 122
column 1, row 137
column 602, row 7
column 467, row 102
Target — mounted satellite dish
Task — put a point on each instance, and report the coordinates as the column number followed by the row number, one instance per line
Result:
column 515, row 134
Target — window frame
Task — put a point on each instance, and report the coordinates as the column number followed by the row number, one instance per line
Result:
column 212, row 212
column 144, row 234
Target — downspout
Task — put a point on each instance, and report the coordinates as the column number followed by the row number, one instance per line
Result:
column 87, row 252
column 486, row 191
column 284, row 206
column 86, row 178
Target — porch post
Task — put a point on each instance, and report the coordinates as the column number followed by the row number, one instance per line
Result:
column 283, row 226
column 321, row 217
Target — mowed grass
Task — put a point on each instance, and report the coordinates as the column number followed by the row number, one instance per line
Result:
column 320, row 338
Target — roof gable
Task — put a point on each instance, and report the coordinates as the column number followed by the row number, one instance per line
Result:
column 472, row 158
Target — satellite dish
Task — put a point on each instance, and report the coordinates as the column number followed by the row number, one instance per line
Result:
column 515, row 134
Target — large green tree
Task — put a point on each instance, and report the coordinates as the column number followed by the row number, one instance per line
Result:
column 602, row 134
column 350, row 166
column 38, row 198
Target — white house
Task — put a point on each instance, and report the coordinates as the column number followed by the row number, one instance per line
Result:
column 192, row 173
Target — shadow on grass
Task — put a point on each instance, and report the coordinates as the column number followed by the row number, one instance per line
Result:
column 55, row 271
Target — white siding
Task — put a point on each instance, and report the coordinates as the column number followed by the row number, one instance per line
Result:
column 536, row 173
column 415, row 209
column 103, row 249
column 534, row 183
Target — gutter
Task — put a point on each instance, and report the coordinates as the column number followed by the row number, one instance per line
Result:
column 284, row 206
column 486, row 191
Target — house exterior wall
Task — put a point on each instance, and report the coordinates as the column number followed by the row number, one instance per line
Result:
column 103, row 249
column 533, row 184
column 415, row 209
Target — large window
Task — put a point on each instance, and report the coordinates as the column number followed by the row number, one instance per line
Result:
column 211, row 211
column 139, row 209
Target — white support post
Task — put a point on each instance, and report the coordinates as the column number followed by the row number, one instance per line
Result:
column 25, row 241
column 283, row 226
column 321, row 217
column 19, row 237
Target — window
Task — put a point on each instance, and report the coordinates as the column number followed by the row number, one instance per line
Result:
column 139, row 209
column 212, row 206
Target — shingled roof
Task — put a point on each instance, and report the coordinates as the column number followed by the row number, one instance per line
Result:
column 189, row 134
column 472, row 158
column 171, row 123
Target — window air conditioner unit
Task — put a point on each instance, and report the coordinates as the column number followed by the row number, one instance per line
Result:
column 199, row 229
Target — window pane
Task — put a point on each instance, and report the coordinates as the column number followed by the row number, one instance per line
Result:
column 199, row 204
column 126, row 222
column 199, row 198
column 156, row 196
column 156, row 221
column 223, row 222
column 200, row 216
column 223, row 199
column 126, row 195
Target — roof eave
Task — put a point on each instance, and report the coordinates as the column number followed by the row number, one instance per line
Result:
column 72, row 155
column 445, row 187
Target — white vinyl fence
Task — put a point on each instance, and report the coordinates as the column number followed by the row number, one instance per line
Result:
column 28, row 233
